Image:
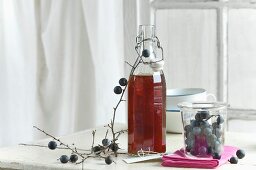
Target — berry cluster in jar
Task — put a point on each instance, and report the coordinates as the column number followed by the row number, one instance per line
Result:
column 204, row 135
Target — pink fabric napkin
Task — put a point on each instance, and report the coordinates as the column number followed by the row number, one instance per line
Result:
column 179, row 159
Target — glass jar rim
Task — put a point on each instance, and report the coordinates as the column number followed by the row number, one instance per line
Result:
column 203, row 105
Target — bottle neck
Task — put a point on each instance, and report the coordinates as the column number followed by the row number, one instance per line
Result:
column 147, row 42
column 148, row 47
column 147, row 31
column 145, row 70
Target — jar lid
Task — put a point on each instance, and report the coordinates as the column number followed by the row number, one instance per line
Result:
column 203, row 105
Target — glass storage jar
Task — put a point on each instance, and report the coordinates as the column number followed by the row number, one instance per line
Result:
column 204, row 128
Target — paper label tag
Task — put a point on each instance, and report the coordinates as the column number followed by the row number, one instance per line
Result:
column 157, row 77
column 142, row 158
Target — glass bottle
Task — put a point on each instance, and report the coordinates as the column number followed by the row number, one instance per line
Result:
column 147, row 95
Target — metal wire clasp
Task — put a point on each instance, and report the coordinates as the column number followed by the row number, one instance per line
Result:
column 140, row 40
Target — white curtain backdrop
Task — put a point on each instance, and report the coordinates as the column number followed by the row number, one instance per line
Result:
column 59, row 63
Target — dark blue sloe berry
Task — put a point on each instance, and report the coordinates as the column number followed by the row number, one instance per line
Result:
column 216, row 125
column 204, row 114
column 188, row 128
column 188, row 148
column 240, row 153
column 233, row 160
column 118, row 90
column 108, row 160
column 220, row 119
column 198, row 117
column 114, row 147
column 73, row 158
column 145, row 53
column 106, row 142
column 193, row 152
column 209, row 150
column 52, row 145
column 195, row 123
column 123, row 82
column 216, row 156
column 96, row 149
column 64, row 159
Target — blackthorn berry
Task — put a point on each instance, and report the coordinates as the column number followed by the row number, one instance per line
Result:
column 204, row 114
column 233, row 160
column 73, row 158
column 216, row 125
column 209, row 150
column 114, row 147
column 52, row 145
column 118, row 90
column 108, row 160
column 195, row 123
column 220, row 119
column 188, row 128
column 240, row 153
column 198, row 117
column 96, row 149
column 146, row 53
column 188, row 148
column 64, row 159
column 216, row 156
column 106, row 142
column 123, row 82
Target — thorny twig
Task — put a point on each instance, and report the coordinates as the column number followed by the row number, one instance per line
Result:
column 115, row 135
column 106, row 134
column 44, row 146
column 93, row 138
column 112, row 122
column 61, row 143
column 75, row 150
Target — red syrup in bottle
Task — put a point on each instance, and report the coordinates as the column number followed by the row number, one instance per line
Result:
column 146, row 113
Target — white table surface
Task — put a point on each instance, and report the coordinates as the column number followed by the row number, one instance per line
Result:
column 35, row 158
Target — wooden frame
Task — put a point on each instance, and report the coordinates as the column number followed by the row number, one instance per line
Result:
column 144, row 11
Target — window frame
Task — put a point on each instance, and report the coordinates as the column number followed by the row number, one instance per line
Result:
column 137, row 12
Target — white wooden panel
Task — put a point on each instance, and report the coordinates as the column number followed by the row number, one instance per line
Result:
column 145, row 12
column 198, row 4
column 222, row 39
column 242, row 60
column 253, row 1
column 247, row 126
column 130, row 17
column 189, row 39
column 189, row 1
